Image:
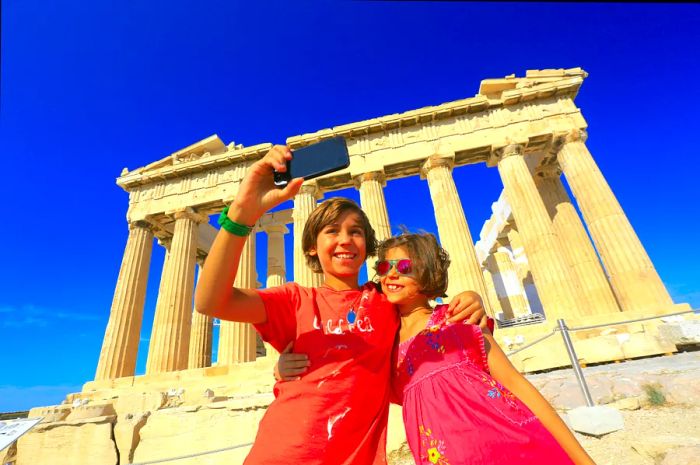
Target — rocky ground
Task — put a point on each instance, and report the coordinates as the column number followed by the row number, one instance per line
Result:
column 658, row 397
column 652, row 436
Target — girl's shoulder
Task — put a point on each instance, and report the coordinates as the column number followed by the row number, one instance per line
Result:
column 439, row 315
column 471, row 337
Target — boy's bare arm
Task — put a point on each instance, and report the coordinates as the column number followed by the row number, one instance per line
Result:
column 506, row 374
column 468, row 306
column 215, row 294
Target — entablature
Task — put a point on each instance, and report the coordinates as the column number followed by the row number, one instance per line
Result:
column 468, row 130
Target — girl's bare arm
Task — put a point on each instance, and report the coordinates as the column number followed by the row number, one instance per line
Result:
column 506, row 374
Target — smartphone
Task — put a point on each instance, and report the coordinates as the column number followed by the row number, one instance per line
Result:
column 315, row 160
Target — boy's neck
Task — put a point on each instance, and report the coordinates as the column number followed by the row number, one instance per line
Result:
column 341, row 283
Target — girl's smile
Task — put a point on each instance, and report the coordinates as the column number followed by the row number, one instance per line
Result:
column 400, row 289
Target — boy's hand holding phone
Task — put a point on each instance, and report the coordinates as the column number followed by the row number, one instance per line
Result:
column 258, row 193
column 275, row 179
column 315, row 160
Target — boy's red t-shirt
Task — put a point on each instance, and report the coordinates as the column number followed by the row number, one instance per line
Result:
column 337, row 412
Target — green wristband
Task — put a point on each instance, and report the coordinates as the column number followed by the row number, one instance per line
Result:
column 237, row 229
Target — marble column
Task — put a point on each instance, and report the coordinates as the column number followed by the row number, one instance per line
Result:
column 465, row 271
column 633, row 277
column 492, row 295
column 170, row 336
column 523, row 269
column 276, row 269
column 371, row 187
column 545, row 257
column 121, row 340
column 509, row 287
column 201, row 335
column 237, row 340
column 516, row 248
column 304, row 203
column 595, row 292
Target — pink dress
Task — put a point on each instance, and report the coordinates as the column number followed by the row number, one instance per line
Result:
column 455, row 412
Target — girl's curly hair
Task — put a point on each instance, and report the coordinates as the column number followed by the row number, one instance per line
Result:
column 430, row 261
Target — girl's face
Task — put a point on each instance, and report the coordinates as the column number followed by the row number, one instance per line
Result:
column 400, row 289
column 341, row 249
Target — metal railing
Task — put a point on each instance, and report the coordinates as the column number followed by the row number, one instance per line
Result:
column 196, row 454
column 571, row 350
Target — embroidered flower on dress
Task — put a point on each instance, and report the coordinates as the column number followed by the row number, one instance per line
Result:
column 497, row 390
column 435, row 447
column 409, row 366
column 433, row 338
column 433, row 455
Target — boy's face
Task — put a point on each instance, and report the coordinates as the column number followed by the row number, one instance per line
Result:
column 341, row 247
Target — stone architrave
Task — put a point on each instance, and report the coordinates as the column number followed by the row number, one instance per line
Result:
column 633, row 277
column 594, row 289
column 121, row 340
column 170, row 336
column 509, row 288
column 276, row 269
column 371, row 187
column 201, row 335
column 465, row 271
column 547, row 264
column 304, row 204
column 237, row 340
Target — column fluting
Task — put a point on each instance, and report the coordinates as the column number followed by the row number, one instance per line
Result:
column 594, row 289
column 121, row 340
column 547, row 264
column 465, row 272
column 371, row 187
column 276, row 267
column 237, row 340
column 201, row 335
column 304, row 204
column 170, row 336
column 509, row 287
column 633, row 277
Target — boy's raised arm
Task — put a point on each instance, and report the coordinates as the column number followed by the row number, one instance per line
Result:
column 215, row 294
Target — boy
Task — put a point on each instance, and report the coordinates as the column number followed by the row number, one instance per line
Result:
column 338, row 412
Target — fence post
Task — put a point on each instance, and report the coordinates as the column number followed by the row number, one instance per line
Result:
column 574, row 362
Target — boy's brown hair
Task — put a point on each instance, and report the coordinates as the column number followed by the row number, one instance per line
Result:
column 430, row 261
column 327, row 213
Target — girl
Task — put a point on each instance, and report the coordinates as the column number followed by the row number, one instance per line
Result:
column 338, row 413
column 463, row 401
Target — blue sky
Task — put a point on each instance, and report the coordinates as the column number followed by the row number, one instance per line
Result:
column 90, row 88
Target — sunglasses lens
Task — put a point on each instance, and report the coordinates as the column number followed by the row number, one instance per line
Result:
column 383, row 267
column 404, row 266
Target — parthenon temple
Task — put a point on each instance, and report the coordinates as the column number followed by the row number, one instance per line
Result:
column 534, row 257
column 537, row 259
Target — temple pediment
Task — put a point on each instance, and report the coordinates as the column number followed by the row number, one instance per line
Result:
column 210, row 146
column 534, row 79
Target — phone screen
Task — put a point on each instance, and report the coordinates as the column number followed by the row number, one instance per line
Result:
column 315, row 160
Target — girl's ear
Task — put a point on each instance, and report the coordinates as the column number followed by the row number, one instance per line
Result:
column 312, row 251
